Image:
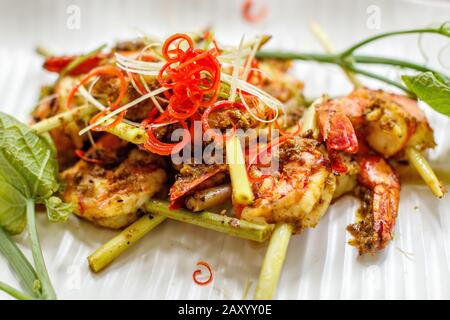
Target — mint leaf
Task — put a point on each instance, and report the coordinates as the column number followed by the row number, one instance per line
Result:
column 432, row 88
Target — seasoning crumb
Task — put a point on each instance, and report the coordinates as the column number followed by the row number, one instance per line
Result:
column 234, row 222
column 223, row 212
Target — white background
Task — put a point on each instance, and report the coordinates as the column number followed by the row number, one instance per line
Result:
column 319, row 263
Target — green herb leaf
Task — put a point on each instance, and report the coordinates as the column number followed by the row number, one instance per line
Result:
column 30, row 154
column 57, row 210
column 12, row 208
column 28, row 175
column 432, row 88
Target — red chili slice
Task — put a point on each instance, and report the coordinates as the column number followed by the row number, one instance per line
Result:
column 198, row 272
column 82, row 155
column 57, row 64
column 249, row 15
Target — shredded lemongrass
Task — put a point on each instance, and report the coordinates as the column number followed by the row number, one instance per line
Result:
column 266, row 98
column 155, row 102
column 93, row 83
column 251, row 57
column 235, row 76
column 144, row 83
column 160, row 125
column 244, row 76
column 264, row 73
column 89, row 98
column 91, row 137
column 123, row 108
column 249, row 110
column 139, row 71
column 229, row 52
column 129, row 64
column 133, row 83
column 135, row 63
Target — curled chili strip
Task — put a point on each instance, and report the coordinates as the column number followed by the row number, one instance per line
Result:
column 103, row 70
column 198, row 272
column 192, row 75
column 164, row 149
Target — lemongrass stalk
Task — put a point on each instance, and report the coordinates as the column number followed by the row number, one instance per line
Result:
column 106, row 254
column 273, row 262
column 217, row 222
column 241, row 189
column 127, row 132
column 425, row 171
column 63, row 118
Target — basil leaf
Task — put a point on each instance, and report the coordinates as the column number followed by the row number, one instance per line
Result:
column 432, row 88
column 31, row 155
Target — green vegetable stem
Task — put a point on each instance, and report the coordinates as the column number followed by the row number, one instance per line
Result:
column 28, row 176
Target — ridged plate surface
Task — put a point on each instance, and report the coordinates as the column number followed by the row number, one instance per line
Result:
column 319, row 264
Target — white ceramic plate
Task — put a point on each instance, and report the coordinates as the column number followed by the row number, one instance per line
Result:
column 319, row 263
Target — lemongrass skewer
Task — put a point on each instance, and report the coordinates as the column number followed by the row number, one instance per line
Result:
column 213, row 221
column 276, row 251
column 160, row 211
column 419, row 162
column 63, row 118
column 273, row 262
column 240, row 184
column 106, row 254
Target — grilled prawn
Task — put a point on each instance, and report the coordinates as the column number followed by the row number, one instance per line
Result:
column 360, row 131
column 299, row 192
column 111, row 183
